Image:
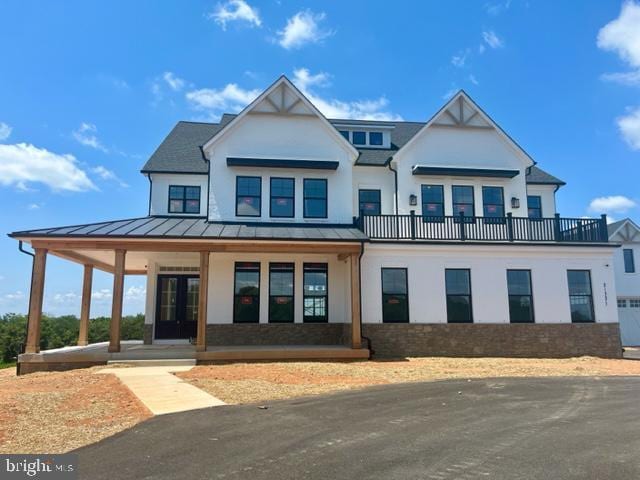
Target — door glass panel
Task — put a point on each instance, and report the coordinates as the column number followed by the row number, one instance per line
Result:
column 168, row 299
column 193, row 287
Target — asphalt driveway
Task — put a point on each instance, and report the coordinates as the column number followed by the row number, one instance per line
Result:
column 560, row 428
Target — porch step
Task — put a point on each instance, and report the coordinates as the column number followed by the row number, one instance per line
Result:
column 160, row 362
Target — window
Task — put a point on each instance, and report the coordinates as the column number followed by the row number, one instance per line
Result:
column 359, row 138
column 345, row 134
column 282, row 197
column 248, row 196
column 281, row 292
column 520, row 296
column 463, row 201
column 315, row 198
column 432, row 203
column 622, row 303
column 458, row 287
column 580, row 296
column 534, row 204
column 395, row 295
column 246, row 298
column 184, row 199
column 369, row 202
column 629, row 264
column 634, row 303
column 375, row 138
column 315, row 292
column 493, row 204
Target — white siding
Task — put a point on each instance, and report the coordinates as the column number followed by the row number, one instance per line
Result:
column 160, row 191
column 375, row 178
column 627, row 284
column 547, row 196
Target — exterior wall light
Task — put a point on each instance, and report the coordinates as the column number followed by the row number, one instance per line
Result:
column 515, row 202
column 413, row 200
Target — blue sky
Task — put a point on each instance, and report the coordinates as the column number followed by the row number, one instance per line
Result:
column 89, row 89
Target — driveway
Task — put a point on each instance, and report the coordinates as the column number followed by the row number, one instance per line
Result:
column 560, row 428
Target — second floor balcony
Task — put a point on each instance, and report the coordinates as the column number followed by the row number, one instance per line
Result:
column 484, row 229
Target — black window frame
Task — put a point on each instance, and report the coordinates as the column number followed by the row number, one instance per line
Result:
column 378, row 202
column 629, row 261
column 286, row 267
column 467, row 218
column 258, row 196
column 431, row 218
column 355, row 133
column 305, row 197
column 381, row 139
column 345, row 134
column 573, row 296
column 513, row 297
column 538, row 208
column 449, row 297
column 184, row 199
column 397, row 296
column 292, row 197
column 622, row 303
column 315, row 267
column 493, row 218
column 256, row 268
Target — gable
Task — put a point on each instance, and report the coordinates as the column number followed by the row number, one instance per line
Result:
column 625, row 231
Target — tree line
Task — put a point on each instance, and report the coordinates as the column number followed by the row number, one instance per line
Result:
column 61, row 331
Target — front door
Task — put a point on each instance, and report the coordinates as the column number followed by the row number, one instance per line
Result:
column 177, row 306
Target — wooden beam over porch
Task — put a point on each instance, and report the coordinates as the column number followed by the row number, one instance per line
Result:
column 85, row 306
column 116, row 306
column 35, row 301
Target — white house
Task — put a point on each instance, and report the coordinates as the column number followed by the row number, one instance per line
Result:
column 627, row 234
column 404, row 238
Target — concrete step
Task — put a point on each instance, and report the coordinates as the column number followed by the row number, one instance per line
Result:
column 159, row 362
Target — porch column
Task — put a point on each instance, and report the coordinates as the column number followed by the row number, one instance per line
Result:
column 116, row 306
column 35, row 300
column 201, row 340
column 83, row 334
column 356, row 339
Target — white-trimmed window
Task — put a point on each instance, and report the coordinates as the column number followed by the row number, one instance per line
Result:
column 634, row 303
column 622, row 303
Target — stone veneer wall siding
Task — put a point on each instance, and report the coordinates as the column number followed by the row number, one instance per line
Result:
column 276, row 334
column 147, row 334
column 494, row 340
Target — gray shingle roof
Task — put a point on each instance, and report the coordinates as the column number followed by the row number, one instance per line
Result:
column 180, row 151
column 200, row 228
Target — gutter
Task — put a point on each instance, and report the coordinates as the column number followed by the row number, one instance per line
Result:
column 26, row 330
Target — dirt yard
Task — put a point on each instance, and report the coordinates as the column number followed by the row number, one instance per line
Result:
column 55, row 412
column 261, row 382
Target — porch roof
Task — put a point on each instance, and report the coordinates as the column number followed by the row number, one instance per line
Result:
column 163, row 227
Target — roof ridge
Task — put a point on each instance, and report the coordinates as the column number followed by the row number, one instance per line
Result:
column 200, row 123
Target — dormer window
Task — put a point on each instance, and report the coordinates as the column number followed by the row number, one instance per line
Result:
column 184, row 199
column 345, row 134
column 359, row 138
column 375, row 138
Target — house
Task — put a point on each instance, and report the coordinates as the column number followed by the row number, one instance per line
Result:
column 279, row 233
column 627, row 234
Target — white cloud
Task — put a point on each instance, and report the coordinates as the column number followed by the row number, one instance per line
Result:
column 22, row 163
column 86, row 135
column 17, row 295
column 231, row 97
column 101, row 295
column 629, row 126
column 236, row 11
column 33, row 206
column 492, row 39
column 622, row 35
column 366, row 109
column 624, row 78
column 135, row 293
column 175, row 83
column 473, row 79
column 611, row 204
column 66, row 298
column 496, row 8
column 303, row 28
column 5, row 131
column 106, row 174
column 460, row 59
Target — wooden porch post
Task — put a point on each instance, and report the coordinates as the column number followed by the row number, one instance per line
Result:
column 85, row 307
column 201, row 340
column 356, row 339
column 35, row 301
column 116, row 306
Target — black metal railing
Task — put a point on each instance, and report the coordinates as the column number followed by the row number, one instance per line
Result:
column 484, row 229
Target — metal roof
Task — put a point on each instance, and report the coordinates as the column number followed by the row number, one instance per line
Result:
column 200, row 228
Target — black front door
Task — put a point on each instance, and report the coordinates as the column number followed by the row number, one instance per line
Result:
column 177, row 306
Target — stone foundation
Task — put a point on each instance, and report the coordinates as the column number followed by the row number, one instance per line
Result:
column 147, row 334
column 536, row 340
column 276, row 334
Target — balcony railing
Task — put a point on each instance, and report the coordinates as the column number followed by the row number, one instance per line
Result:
column 484, row 229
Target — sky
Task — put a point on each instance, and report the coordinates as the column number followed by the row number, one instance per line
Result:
column 89, row 89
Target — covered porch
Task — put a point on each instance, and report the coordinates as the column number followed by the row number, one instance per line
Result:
column 129, row 254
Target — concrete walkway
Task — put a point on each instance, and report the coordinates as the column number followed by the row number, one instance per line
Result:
column 161, row 391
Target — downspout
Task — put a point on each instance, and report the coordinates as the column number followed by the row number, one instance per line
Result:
column 204, row 157
column 371, row 351
column 26, row 329
column 395, row 180
column 150, row 191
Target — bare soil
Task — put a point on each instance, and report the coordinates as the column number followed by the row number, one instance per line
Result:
column 54, row 412
column 261, row 382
